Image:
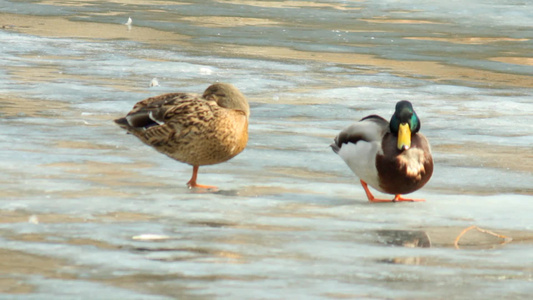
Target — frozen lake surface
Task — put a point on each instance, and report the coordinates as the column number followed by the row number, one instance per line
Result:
column 88, row 212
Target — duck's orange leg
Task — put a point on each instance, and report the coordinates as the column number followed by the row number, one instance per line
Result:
column 397, row 198
column 192, row 183
column 369, row 195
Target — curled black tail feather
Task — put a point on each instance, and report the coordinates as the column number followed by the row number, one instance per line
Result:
column 336, row 148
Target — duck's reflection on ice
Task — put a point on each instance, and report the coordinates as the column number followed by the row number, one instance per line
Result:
column 408, row 260
column 404, row 238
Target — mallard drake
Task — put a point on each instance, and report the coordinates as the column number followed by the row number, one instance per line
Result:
column 193, row 129
column 393, row 158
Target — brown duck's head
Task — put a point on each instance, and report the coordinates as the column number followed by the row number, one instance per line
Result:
column 404, row 123
column 228, row 96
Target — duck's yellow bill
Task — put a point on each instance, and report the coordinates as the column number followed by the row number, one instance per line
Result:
column 404, row 137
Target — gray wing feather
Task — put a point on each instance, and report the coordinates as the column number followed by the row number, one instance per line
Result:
column 369, row 129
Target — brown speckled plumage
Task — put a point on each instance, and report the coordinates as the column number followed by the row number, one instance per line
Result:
column 193, row 129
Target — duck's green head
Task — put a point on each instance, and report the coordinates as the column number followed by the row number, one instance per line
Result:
column 404, row 123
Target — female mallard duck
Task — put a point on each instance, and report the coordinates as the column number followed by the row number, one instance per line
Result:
column 391, row 157
column 193, row 129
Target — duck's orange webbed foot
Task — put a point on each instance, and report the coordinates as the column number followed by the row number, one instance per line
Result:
column 193, row 185
column 397, row 198
column 369, row 195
